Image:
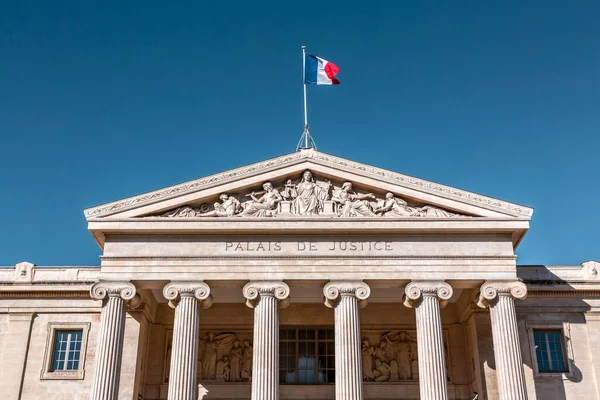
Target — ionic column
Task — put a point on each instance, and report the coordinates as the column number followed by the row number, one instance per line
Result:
column 427, row 297
column 186, row 298
column 114, row 296
column 266, row 297
column 345, row 297
column 499, row 296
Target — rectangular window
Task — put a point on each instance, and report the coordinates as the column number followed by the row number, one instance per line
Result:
column 306, row 356
column 67, row 350
column 549, row 351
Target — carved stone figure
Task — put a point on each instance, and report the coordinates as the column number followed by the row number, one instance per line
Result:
column 403, row 351
column 212, row 349
column 181, row 212
column 264, row 206
column 247, row 362
column 310, row 196
column 367, row 352
column 223, row 369
column 352, row 204
column 228, row 207
column 432, row 211
column 235, row 362
column 396, row 207
column 382, row 371
column 380, row 352
column 289, row 191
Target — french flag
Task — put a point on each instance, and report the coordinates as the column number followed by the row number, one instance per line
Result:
column 318, row 71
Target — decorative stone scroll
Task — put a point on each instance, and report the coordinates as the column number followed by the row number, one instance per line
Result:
column 309, row 196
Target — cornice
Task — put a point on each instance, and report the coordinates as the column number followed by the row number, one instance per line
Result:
column 319, row 158
column 427, row 186
column 564, row 293
column 45, row 294
column 191, row 186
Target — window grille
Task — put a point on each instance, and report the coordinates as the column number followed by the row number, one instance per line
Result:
column 549, row 351
column 306, row 356
column 67, row 350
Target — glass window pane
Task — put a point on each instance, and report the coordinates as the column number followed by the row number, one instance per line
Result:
column 306, row 356
column 67, row 346
column 548, row 351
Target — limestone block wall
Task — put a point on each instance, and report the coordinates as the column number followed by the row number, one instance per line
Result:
column 36, row 387
column 580, row 381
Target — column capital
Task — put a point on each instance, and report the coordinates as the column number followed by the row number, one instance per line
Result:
column 122, row 289
column 174, row 291
column 334, row 290
column 491, row 290
column 416, row 290
column 255, row 289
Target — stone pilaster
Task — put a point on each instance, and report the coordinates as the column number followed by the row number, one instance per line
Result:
column 427, row 297
column 266, row 297
column 499, row 296
column 114, row 296
column 186, row 298
column 345, row 297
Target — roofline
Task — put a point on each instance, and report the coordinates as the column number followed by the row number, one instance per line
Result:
column 299, row 157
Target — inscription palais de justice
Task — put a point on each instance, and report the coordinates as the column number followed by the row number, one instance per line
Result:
column 308, row 246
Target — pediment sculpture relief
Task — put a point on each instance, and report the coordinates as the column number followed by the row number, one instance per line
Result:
column 309, row 197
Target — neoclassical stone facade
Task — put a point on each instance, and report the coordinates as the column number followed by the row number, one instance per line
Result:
column 306, row 276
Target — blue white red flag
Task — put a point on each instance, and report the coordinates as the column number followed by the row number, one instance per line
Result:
column 319, row 71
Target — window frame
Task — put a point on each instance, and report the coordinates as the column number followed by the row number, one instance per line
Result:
column 53, row 327
column 297, row 342
column 564, row 331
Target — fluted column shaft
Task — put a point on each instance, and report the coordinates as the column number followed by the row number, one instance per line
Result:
column 346, row 297
column 427, row 298
column 187, row 298
column 266, row 297
column 499, row 296
column 109, row 351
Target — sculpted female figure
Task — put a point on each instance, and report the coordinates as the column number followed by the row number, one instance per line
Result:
column 235, row 362
column 367, row 352
column 247, row 362
column 404, row 356
column 310, row 196
column 209, row 364
column 265, row 205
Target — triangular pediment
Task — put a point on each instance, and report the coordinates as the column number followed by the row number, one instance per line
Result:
column 335, row 188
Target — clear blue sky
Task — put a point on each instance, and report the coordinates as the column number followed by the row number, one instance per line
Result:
column 101, row 100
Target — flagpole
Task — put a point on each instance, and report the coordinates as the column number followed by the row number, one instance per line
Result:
column 306, row 141
column 304, row 84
